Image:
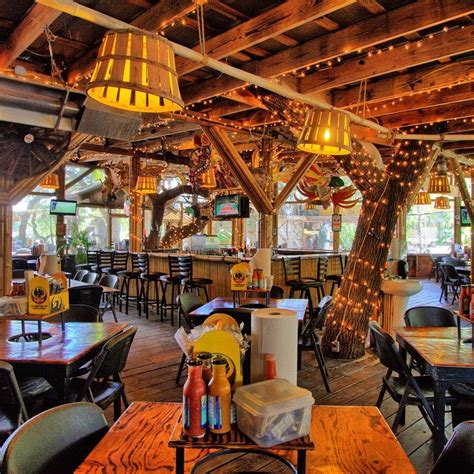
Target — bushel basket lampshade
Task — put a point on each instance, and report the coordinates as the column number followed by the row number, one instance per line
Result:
column 439, row 185
column 442, row 202
column 422, row 199
column 50, row 182
column 146, row 185
column 208, row 179
column 136, row 71
column 325, row 132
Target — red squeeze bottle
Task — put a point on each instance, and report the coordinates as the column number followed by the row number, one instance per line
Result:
column 194, row 401
column 270, row 366
column 471, row 315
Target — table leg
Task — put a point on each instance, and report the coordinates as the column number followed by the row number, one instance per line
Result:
column 179, row 460
column 301, row 461
column 40, row 333
column 459, row 327
column 439, row 415
column 63, row 325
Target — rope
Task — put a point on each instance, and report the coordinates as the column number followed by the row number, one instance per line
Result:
column 202, row 34
column 50, row 38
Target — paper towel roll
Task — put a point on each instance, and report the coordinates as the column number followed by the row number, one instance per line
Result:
column 274, row 331
column 48, row 264
column 262, row 259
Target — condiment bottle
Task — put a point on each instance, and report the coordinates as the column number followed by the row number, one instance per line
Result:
column 219, row 397
column 270, row 366
column 464, row 299
column 194, row 401
column 205, row 358
column 255, row 279
column 471, row 313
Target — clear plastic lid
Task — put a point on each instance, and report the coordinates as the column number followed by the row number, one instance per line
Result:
column 272, row 397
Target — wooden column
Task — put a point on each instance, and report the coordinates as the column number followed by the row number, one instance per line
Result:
column 336, row 236
column 457, row 220
column 238, row 233
column 136, row 233
column 472, row 222
column 265, row 229
column 6, row 222
column 60, row 225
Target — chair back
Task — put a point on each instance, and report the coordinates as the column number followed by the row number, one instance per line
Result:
column 90, row 278
column 20, row 264
column 106, row 259
column 57, row 440
column 337, row 263
column 387, row 349
column 292, row 268
column 120, row 261
column 80, row 275
column 241, row 315
column 92, row 257
column 277, row 293
column 185, row 263
column 10, row 395
column 317, row 320
column 188, row 302
column 458, row 455
column 89, row 295
column 143, row 263
column 68, row 264
column 173, row 265
column 426, row 316
column 109, row 280
column 449, row 272
column 455, row 262
column 134, row 260
column 78, row 313
column 322, row 268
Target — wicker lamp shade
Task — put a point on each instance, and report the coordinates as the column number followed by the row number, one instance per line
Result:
column 146, row 185
column 442, row 202
column 50, row 182
column 325, row 132
column 309, row 205
column 423, row 199
column 208, row 179
column 135, row 71
column 439, row 185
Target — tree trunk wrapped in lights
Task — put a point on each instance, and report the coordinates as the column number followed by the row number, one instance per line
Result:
column 385, row 192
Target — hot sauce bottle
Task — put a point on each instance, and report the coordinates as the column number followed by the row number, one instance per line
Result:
column 205, row 358
column 194, row 401
column 219, row 398
column 270, row 366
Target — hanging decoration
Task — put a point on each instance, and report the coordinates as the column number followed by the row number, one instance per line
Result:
column 439, row 182
column 208, row 179
column 146, row 185
column 423, row 198
column 50, row 182
column 442, row 202
column 200, row 159
column 342, row 197
column 336, row 182
column 136, row 71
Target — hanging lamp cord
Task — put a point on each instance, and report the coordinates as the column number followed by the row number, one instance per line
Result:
column 201, row 31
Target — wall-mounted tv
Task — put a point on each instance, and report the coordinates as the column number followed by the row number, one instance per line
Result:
column 465, row 219
column 231, row 206
column 59, row 207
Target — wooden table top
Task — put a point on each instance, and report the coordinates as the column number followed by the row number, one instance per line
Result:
column 298, row 305
column 347, row 439
column 105, row 289
column 440, row 347
column 63, row 348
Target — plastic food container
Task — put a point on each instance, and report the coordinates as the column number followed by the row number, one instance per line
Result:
column 13, row 305
column 273, row 412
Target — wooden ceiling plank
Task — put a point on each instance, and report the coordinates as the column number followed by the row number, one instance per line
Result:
column 458, row 145
column 269, row 24
column 29, row 29
column 453, row 42
column 327, row 23
column 384, row 27
column 466, row 125
column 371, row 6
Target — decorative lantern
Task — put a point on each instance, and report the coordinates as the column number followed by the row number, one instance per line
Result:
column 442, row 202
column 325, row 132
column 422, row 199
column 309, row 205
column 208, row 179
column 146, row 185
column 136, row 71
column 439, row 183
column 50, row 182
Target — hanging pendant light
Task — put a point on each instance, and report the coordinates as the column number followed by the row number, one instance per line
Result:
column 136, row 71
column 50, row 182
column 146, row 185
column 442, row 202
column 310, row 205
column 439, row 182
column 325, row 132
column 422, row 199
column 208, row 179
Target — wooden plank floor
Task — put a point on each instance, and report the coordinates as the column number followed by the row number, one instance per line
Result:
column 154, row 358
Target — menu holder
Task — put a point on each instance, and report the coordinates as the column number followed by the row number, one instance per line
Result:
column 265, row 292
column 234, row 439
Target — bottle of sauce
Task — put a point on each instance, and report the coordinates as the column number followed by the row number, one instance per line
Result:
column 194, row 401
column 465, row 300
column 205, row 358
column 270, row 366
column 219, row 398
column 255, row 279
column 471, row 312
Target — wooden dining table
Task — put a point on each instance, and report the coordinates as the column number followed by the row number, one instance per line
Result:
column 353, row 439
column 61, row 352
column 449, row 361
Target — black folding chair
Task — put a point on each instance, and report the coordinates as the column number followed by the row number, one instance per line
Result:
column 89, row 295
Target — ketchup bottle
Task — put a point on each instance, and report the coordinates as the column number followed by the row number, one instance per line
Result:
column 194, row 401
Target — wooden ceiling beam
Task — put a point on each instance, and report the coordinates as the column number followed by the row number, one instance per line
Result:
column 454, row 42
column 327, row 24
column 269, row 24
column 407, row 84
column 465, row 125
column 366, row 33
column 30, row 28
column 371, row 6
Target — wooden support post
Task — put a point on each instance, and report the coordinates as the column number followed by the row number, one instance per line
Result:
column 265, row 228
column 457, row 220
column 472, row 222
column 60, row 225
column 336, row 236
column 238, row 233
column 6, row 222
column 136, row 234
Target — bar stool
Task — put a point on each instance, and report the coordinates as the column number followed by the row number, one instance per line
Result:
column 147, row 277
column 188, row 281
column 92, row 261
column 335, row 278
column 173, row 279
column 106, row 261
column 293, row 279
column 127, row 277
column 322, row 269
column 118, row 267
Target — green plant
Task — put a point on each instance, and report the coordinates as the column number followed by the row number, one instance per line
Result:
column 80, row 240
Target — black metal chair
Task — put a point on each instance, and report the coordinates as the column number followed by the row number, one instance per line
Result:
column 108, row 299
column 458, row 455
column 78, row 313
column 91, row 278
column 335, row 278
column 174, row 279
column 146, row 279
column 127, row 277
column 277, row 293
column 90, row 295
column 119, row 263
column 55, row 441
column 106, row 261
column 241, row 315
column 186, row 302
column 451, row 279
column 463, row 409
column 20, row 264
column 311, row 340
column 426, row 316
column 104, row 384
column 188, row 281
column 92, row 261
column 80, row 274
column 406, row 389
column 68, row 264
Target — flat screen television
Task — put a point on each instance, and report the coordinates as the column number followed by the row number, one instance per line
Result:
column 465, row 219
column 231, row 206
column 59, row 207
